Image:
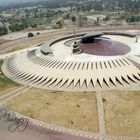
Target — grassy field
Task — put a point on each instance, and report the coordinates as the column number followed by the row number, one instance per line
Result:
column 45, row 21
column 5, row 83
column 71, row 110
column 122, row 113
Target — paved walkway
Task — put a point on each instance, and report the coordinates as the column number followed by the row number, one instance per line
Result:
column 39, row 133
column 13, row 94
column 100, row 109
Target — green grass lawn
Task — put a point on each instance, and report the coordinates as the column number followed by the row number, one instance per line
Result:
column 1, row 61
column 45, row 21
column 4, row 81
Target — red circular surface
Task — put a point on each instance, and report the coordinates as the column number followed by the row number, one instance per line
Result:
column 104, row 47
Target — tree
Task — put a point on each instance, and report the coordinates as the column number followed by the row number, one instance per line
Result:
column 30, row 34
column 107, row 18
column 18, row 26
column 3, row 30
column 73, row 18
column 59, row 24
column 80, row 23
column 96, row 23
column 67, row 16
column 34, row 25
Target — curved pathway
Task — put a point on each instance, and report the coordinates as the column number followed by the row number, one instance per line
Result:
column 34, row 132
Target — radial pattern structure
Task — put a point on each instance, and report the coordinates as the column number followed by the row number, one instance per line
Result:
column 107, row 60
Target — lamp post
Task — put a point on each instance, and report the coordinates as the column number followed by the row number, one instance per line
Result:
column 75, row 34
column 136, row 37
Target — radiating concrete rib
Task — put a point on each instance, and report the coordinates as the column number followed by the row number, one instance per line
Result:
column 52, row 82
column 58, row 82
column 122, row 62
column 49, row 63
column 42, row 81
column 47, row 81
column 55, row 73
column 55, row 62
column 125, row 78
column 25, row 77
column 37, row 80
column 30, row 77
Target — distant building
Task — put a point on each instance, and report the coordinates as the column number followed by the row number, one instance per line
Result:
column 124, row 23
column 96, row 18
column 7, row 15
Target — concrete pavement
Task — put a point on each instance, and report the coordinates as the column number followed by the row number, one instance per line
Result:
column 33, row 132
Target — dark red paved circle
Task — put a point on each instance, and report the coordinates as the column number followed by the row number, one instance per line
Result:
column 104, row 47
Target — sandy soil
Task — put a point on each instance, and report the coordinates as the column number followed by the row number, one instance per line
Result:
column 3, row 41
column 4, row 91
column 22, row 34
column 122, row 113
column 75, row 110
column 24, row 45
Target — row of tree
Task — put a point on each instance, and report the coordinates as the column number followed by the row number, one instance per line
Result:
column 3, row 30
column 127, row 5
column 130, row 18
column 18, row 26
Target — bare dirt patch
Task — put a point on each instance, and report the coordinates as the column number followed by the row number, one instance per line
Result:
column 122, row 113
column 4, row 91
column 74, row 110
column 2, row 41
column 23, row 46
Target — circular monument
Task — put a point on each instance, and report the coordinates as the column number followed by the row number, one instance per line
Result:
column 87, row 62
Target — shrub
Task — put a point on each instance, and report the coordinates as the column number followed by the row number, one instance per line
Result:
column 30, row 34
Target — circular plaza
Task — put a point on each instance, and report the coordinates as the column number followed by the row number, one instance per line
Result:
column 82, row 62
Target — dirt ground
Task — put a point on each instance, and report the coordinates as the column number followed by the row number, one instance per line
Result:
column 4, row 91
column 75, row 110
column 3, row 41
column 122, row 113
column 79, row 110
column 23, row 45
